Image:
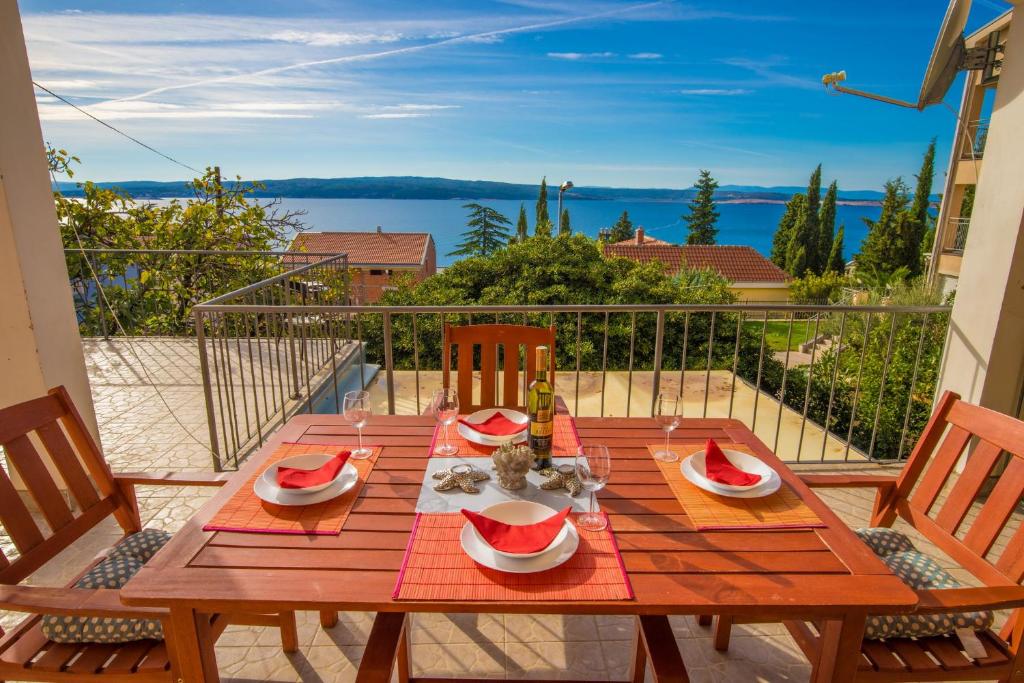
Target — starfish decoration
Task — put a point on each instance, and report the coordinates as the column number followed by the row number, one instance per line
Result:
column 561, row 477
column 462, row 476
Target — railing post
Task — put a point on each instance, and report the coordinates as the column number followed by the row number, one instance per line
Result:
column 291, row 339
column 389, row 363
column 659, row 340
column 204, row 367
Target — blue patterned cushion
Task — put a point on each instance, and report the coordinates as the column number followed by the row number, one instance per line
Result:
column 884, row 541
column 921, row 572
column 124, row 561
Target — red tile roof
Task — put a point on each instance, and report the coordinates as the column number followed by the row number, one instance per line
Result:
column 734, row 263
column 369, row 248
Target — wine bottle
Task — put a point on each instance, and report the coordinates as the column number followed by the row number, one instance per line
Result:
column 542, row 413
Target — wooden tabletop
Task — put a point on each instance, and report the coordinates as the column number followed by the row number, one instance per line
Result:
column 674, row 569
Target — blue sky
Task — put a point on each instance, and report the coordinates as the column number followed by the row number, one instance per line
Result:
column 606, row 92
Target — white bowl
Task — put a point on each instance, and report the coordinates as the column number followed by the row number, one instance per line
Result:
column 739, row 460
column 522, row 512
column 480, row 416
column 309, row 461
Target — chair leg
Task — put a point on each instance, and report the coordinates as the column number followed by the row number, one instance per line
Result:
column 723, row 630
column 704, row 619
column 289, row 632
column 328, row 619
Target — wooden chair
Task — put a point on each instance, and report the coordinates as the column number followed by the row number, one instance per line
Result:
column 967, row 538
column 511, row 338
column 53, row 424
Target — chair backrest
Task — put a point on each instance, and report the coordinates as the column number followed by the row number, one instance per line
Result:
column 959, row 514
column 52, row 424
column 515, row 341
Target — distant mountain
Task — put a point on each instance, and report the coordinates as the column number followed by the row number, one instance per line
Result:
column 415, row 187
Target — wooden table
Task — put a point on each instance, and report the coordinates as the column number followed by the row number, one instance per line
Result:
column 825, row 574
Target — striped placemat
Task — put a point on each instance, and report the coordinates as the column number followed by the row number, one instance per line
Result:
column 437, row 568
column 780, row 510
column 246, row 512
column 565, row 439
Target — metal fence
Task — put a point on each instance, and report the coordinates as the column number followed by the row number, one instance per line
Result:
column 977, row 132
column 861, row 389
column 957, row 235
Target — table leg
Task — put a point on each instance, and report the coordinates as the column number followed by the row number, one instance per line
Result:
column 839, row 653
column 190, row 645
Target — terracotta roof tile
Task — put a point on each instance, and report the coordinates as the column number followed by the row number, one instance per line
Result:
column 383, row 248
column 734, row 263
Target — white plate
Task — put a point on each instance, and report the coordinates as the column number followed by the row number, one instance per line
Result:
column 522, row 512
column 268, row 490
column 765, row 487
column 739, row 460
column 472, row 435
column 308, row 461
column 484, row 554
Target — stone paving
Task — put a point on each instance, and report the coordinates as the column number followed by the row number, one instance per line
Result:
column 137, row 434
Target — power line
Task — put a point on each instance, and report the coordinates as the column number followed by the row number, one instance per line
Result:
column 116, row 130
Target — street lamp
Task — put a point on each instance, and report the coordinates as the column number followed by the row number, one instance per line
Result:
column 567, row 185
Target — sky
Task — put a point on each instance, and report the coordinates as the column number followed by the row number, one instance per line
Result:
column 603, row 92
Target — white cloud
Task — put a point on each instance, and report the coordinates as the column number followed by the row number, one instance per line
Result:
column 333, row 39
column 395, row 115
column 722, row 92
column 645, row 55
column 121, row 111
column 574, row 56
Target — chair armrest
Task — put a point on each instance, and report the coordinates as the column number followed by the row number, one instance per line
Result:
column 86, row 602
column 842, row 481
column 969, row 599
column 172, row 478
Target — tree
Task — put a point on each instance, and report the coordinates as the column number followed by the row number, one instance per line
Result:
column 810, row 235
column 883, row 250
column 817, row 289
column 836, row 262
column 487, row 232
column 522, row 229
column 795, row 208
column 801, row 253
column 564, row 224
column 703, row 216
column 543, row 226
column 919, row 217
column 827, row 228
column 622, row 230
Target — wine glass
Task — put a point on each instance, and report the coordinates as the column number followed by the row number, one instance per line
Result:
column 593, row 468
column 667, row 415
column 445, row 406
column 357, row 410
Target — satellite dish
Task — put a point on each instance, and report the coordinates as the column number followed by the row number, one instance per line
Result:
column 949, row 57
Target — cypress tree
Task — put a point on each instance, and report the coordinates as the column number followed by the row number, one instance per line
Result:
column 810, row 235
column 622, row 230
column 795, row 208
column 827, row 228
column 542, row 227
column 564, row 226
column 919, row 218
column 522, row 229
column 703, row 216
column 835, row 257
column 882, row 250
column 488, row 232
column 802, row 240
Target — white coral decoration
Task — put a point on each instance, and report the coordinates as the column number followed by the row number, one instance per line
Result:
column 512, row 462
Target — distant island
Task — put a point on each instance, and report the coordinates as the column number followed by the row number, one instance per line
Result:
column 415, row 187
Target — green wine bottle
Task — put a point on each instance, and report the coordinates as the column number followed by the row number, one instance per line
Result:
column 542, row 413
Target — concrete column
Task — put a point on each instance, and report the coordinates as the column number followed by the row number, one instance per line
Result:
column 39, row 343
column 984, row 359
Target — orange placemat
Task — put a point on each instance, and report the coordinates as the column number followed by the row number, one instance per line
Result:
column 246, row 512
column 565, row 439
column 436, row 568
column 780, row 510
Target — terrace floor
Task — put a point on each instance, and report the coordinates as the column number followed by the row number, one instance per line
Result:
column 137, row 434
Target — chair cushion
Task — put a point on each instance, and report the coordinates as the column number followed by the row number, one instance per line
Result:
column 920, row 572
column 124, row 561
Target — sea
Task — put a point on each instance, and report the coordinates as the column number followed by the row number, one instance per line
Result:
column 745, row 223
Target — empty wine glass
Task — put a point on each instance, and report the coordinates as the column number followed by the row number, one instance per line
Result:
column 357, row 410
column 445, row 406
column 593, row 468
column 667, row 415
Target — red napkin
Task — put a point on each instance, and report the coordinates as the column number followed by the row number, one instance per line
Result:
column 719, row 468
column 518, row 538
column 295, row 478
column 496, row 425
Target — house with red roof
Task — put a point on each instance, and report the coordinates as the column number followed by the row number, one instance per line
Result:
column 374, row 258
column 752, row 277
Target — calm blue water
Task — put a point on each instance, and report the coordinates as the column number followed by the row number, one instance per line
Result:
column 751, row 224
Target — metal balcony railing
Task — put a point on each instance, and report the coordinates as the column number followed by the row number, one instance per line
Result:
column 956, row 235
column 863, row 391
column 977, row 134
